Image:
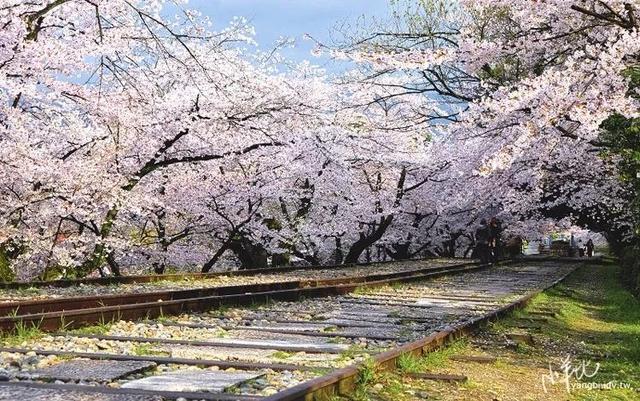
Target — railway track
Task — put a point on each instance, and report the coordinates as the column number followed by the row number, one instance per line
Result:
column 72, row 312
column 287, row 344
column 179, row 277
column 191, row 282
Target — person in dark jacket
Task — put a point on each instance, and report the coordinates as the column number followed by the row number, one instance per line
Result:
column 590, row 248
column 495, row 233
column 482, row 241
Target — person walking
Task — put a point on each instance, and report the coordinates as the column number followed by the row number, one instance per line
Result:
column 495, row 232
column 590, row 248
column 482, row 241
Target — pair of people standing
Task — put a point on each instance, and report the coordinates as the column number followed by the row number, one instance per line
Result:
column 488, row 240
column 590, row 247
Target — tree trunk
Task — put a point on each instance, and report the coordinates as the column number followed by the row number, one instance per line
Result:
column 400, row 251
column 100, row 253
column 366, row 241
column 115, row 268
column 214, row 259
column 280, row 259
column 450, row 245
column 251, row 256
column 338, row 255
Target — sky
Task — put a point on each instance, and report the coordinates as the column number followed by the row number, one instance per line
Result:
column 292, row 18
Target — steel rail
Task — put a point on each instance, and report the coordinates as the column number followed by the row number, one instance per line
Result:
column 343, row 381
column 51, row 321
column 149, row 278
column 95, row 301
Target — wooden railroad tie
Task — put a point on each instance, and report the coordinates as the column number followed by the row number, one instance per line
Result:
column 543, row 312
column 541, row 319
column 474, row 358
column 439, row 377
column 522, row 338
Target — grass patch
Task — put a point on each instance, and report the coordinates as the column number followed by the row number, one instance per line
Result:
column 163, row 319
column 282, row 355
column 523, row 349
column 409, row 363
column 92, row 330
column 221, row 333
column 391, row 386
column 147, row 350
column 605, row 318
column 364, row 290
column 351, row 353
column 367, row 376
column 99, row 329
column 23, row 332
column 396, row 285
column 440, row 357
column 26, row 292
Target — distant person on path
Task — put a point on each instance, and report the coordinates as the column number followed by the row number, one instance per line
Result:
column 482, row 241
column 495, row 232
column 590, row 248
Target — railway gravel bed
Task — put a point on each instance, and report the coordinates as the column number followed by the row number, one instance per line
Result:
column 261, row 350
column 191, row 282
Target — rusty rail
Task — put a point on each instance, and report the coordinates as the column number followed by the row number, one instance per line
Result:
column 96, row 301
column 74, row 318
column 149, row 278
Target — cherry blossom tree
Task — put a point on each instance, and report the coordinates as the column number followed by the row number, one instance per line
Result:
column 101, row 98
column 526, row 87
column 136, row 135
